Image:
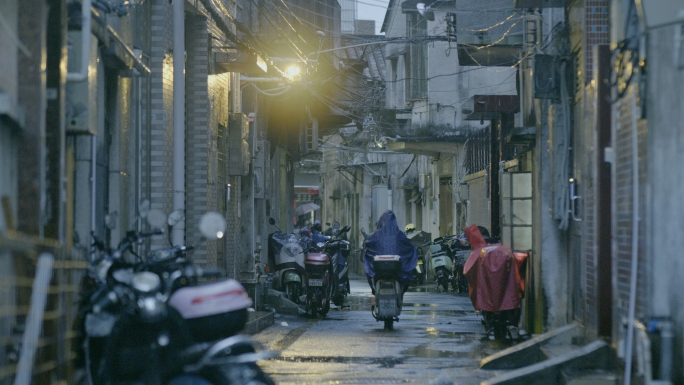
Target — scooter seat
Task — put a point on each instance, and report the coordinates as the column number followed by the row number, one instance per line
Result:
column 317, row 259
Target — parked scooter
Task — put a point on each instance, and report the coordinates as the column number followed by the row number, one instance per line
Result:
column 144, row 324
column 319, row 273
column 496, row 283
column 419, row 238
column 337, row 247
column 285, row 252
column 440, row 256
column 461, row 251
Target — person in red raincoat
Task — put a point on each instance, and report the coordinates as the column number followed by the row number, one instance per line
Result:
column 493, row 273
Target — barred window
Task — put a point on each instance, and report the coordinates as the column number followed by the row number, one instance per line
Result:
column 416, row 60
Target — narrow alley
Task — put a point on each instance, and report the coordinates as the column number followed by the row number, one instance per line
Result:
column 186, row 187
column 438, row 340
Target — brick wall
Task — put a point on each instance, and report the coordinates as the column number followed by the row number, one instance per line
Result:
column 200, row 141
column 623, row 209
column 158, row 161
column 586, row 180
column 596, row 31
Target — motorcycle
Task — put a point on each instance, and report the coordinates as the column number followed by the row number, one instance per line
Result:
column 285, row 252
column 495, row 284
column 149, row 321
column 388, row 291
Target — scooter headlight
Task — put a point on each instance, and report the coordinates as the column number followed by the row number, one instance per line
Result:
column 151, row 307
column 145, row 282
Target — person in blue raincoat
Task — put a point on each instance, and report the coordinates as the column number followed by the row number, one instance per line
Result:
column 388, row 239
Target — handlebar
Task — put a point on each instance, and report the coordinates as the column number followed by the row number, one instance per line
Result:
column 151, row 233
column 105, row 301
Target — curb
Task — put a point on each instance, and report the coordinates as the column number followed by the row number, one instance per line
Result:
column 258, row 321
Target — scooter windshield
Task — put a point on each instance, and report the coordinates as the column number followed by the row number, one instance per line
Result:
column 388, row 239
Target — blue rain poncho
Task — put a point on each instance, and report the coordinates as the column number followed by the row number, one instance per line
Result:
column 389, row 240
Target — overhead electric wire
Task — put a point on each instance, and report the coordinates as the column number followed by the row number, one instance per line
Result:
column 297, row 51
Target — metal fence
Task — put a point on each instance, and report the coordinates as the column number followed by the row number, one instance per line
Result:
column 39, row 293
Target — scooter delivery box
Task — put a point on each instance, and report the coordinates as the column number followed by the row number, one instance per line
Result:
column 212, row 311
column 387, row 266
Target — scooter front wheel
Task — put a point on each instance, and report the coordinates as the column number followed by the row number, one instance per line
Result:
column 292, row 290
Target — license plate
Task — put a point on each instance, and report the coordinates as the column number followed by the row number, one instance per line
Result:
column 315, row 282
column 387, row 306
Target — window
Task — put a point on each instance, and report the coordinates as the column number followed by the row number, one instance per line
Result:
column 416, row 61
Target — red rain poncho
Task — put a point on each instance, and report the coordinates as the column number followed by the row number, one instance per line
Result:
column 493, row 273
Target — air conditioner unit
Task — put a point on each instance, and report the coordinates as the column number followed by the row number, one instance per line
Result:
column 546, row 77
column 238, row 145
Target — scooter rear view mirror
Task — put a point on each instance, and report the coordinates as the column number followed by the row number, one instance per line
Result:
column 345, row 229
column 271, row 221
column 212, row 225
column 156, row 218
column 144, row 208
column 175, row 218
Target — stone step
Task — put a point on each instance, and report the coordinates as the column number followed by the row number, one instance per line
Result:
column 531, row 352
column 596, row 355
column 591, row 377
column 258, row 321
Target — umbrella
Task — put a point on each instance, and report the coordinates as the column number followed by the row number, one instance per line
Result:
column 306, row 208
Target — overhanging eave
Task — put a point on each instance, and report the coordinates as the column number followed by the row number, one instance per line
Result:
column 433, row 149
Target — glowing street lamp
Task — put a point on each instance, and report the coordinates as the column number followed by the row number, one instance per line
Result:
column 293, row 71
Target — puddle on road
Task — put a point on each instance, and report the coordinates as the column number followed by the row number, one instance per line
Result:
column 358, row 303
column 290, row 338
column 436, row 313
column 422, row 351
column 384, row 362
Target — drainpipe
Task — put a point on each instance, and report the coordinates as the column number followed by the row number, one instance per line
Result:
column 179, row 117
column 85, row 45
column 93, row 184
column 635, row 244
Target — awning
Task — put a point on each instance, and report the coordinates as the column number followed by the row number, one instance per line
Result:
column 429, row 146
column 240, row 61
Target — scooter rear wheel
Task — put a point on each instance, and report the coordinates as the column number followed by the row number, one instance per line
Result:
column 500, row 332
column 389, row 324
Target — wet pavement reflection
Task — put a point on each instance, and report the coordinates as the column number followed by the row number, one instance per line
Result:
column 439, row 336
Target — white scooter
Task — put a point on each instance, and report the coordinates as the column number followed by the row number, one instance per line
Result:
column 289, row 269
column 441, row 263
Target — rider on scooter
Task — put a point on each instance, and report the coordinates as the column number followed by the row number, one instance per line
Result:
column 388, row 239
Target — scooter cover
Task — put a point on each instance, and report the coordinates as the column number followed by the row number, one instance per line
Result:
column 389, row 240
column 278, row 240
column 493, row 273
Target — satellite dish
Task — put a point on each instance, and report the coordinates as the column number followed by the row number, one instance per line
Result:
column 425, row 11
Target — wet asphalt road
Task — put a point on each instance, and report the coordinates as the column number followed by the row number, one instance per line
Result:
column 437, row 341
